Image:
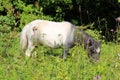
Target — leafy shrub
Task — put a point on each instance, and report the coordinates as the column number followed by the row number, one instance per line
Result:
column 100, row 12
column 6, row 23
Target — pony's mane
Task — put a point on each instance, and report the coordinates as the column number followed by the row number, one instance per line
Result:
column 82, row 37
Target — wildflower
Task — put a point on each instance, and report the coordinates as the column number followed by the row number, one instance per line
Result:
column 97, row 78
column 112, row 30
column 117, row 19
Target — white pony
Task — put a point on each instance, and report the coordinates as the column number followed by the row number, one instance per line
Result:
column 57, row 34
column 48, row 33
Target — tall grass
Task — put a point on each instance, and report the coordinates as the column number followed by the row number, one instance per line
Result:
column 46, row 64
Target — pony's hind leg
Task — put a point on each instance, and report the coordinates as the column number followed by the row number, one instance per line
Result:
column 29, row 49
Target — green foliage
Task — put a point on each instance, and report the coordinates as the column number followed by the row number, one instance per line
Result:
column 57, row 8
column 26, row 18
column 19, row 4
column 45, row 65
column 7, row 20
column 119, row 1
column 95, row 34
column 78, row 12
column 6, row 4
column 6, row 23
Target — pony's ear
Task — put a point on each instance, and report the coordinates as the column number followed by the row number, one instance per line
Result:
column 89, row 42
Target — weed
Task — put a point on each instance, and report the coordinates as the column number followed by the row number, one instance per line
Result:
column 45, row 63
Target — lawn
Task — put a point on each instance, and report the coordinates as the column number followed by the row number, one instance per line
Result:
column 46, row 64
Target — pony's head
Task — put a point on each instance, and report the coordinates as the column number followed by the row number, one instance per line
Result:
column 93, row 48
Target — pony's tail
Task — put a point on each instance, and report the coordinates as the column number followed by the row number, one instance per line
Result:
column 23, row 39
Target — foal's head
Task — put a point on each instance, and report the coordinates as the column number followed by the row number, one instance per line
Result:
column 93, row 48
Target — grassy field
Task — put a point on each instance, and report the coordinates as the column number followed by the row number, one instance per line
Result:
column 46, row 64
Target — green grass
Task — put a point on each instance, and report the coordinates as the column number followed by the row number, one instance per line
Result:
column 46, row 64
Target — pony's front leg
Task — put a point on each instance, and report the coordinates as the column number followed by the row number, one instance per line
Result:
column 29, row 49
column 65, row 51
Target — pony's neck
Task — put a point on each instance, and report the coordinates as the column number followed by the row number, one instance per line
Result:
column 82, row 37
column 79, row 36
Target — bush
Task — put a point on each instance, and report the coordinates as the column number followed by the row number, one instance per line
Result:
column 6, row 23
column 79, row 12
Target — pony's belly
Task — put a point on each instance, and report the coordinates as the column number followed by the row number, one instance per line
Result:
column 52, row 41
